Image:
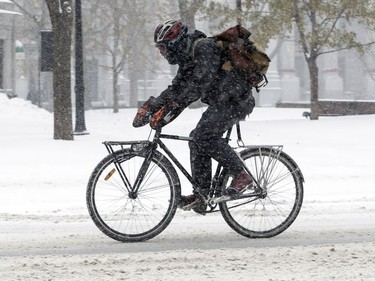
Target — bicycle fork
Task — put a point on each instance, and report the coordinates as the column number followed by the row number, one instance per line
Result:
column 142, row 172
column 131, row 189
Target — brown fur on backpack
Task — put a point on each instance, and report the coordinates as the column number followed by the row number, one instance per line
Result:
column 243, row 55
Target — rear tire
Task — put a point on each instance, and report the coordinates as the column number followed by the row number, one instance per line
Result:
column 266, row 217
column 114, row 210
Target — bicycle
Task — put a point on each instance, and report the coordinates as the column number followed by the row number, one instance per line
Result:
column 133, row 193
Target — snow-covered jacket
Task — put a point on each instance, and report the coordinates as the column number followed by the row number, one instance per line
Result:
column 200, row 76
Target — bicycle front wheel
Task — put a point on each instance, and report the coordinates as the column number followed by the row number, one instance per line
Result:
column 275, row 210
column 127, row 216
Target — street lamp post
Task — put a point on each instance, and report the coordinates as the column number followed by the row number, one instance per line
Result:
column 80, row 127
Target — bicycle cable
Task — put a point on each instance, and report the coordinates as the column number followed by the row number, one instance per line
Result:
column 149, row 135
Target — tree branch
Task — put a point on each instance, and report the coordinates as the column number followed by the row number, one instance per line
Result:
column 347, row 48
column 29, row 14
column 332, row 28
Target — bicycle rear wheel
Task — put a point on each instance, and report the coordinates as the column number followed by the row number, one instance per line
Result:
column 272, row 213
column 123, row 215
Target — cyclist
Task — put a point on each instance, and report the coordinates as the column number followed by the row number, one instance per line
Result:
column 200, row 76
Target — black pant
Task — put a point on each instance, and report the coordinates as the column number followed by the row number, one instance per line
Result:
column 209, row 142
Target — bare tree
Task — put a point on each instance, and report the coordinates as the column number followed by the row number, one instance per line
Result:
column 120, row 32
column 61, row 14
column 318, row 25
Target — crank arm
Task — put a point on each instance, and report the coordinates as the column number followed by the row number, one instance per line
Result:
column 226, row 198
column 220, row 199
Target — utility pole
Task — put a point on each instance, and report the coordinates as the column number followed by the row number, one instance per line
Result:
column 80, row 127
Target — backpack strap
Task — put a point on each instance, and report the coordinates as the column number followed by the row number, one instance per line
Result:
column 227, row 65
column 195, row 43
column 239, row 137
column 264, row 83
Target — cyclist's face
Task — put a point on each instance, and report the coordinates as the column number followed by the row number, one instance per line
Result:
column 162, row 47
column 168, row 51
column 171, row 50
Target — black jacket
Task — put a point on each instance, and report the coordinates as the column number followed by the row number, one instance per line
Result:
column 200, row 76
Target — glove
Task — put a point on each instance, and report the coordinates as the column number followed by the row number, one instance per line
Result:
column 144, row 113
column 165, row 115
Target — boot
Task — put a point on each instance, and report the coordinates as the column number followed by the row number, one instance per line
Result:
column 193, row 202
column 240, row 183
column 188, row 201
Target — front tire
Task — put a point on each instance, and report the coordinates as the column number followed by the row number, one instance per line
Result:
column 129, row 217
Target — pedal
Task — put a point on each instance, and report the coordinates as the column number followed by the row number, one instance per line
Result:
column 220, row 199
column 189, row 207
column 197, row 207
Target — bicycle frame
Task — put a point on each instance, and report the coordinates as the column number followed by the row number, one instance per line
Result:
column 149, row 147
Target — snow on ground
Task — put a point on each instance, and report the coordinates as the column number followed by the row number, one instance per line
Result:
column 46, row 233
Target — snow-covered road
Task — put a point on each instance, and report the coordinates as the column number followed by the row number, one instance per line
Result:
column 320, row 246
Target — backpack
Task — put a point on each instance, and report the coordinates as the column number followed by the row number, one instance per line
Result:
column 243, row 55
